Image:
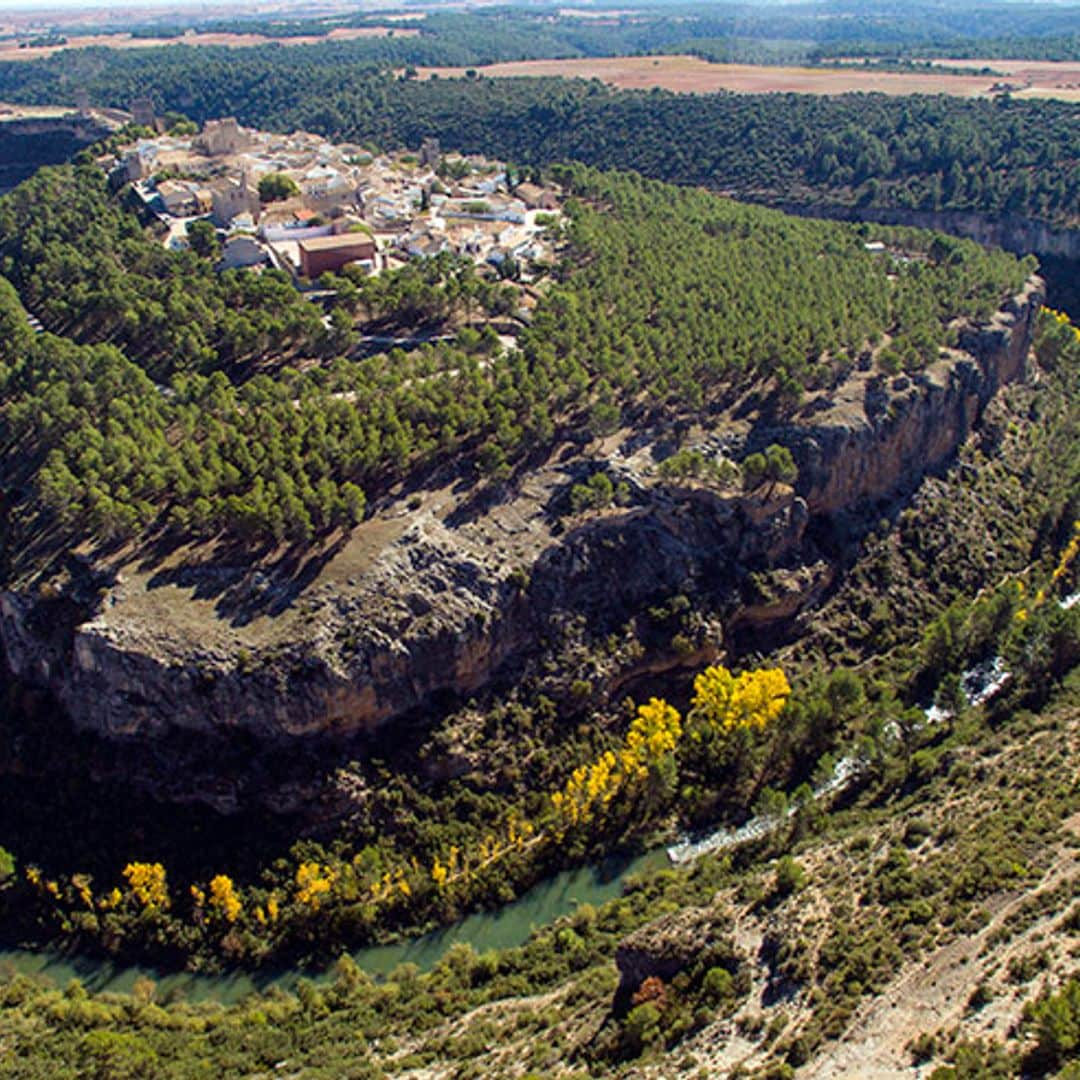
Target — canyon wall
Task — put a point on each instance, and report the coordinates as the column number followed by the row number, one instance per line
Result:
column 1012, row 232
column 28, row 143
column 908, row 424
column 431, row 615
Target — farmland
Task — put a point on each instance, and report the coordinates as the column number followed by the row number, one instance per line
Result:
column 692, row 75
column 12, row 50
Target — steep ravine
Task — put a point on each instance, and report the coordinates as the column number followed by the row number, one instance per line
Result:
column 450, row 596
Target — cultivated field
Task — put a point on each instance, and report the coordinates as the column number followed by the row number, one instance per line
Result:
column 688, row 74
column 11, row 50
column 1038, row 78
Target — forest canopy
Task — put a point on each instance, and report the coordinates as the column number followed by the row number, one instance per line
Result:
column 171, row 397
column 785, row 33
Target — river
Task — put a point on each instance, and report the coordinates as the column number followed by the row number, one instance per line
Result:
column 503, row 928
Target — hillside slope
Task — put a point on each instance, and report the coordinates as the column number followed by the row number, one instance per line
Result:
column 512, row 619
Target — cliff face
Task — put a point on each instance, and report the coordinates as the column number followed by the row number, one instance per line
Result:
column 450, row 595
column 873, row 440
column 433, row 614
column 27, row 144
column 1012, row 232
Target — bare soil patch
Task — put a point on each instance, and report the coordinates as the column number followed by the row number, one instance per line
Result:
column 934, row 993
column 192, row 607
column 1031, row 78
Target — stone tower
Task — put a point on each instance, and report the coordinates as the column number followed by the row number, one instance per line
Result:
column 142, row 112
column 430, row 152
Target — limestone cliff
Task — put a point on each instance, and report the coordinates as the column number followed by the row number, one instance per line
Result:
column 445, row 591
column 1012, row 232
column 26, row 143
column 438, row 610
column 876, row 436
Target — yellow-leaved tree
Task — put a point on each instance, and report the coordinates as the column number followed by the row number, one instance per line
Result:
column 653, row 735
column 727, row 712
column 724, row 702
column 148, row 885
column 224, row 898
column 313, row 884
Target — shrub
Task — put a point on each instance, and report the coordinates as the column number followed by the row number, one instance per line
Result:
column 276, row 186
column 596, row 493
column 790, row 877
column 642, row 1027
column 718, row 987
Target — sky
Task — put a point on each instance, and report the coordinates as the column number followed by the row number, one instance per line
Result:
column 56, row 5
column 132, row 5
column 8, row 6
column 53, row 5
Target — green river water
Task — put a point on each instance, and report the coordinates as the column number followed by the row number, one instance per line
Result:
column 500, row 929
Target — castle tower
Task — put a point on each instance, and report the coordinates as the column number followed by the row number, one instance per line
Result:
column 430, row 153
column 142, row 112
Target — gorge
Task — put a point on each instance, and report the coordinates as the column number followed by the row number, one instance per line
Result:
column 436, row 603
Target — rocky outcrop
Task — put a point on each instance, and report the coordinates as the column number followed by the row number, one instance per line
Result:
column 671, row 944
column 882, row 434
column 432, row 614
column 448, row 597
column 28, row 143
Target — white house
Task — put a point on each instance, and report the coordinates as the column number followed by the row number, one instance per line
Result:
column 179, row 199
column 242, row 251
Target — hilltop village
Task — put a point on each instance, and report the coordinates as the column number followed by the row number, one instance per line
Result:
column 308, row 207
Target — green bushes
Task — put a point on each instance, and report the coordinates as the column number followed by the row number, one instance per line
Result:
column 7, row 867
column 1051, row 1022
column 594, row 494
column 694, row 464
column 1055, row 1022
column 718, row 987
column 774, row 466
column 790, row 877
column 274, row 187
